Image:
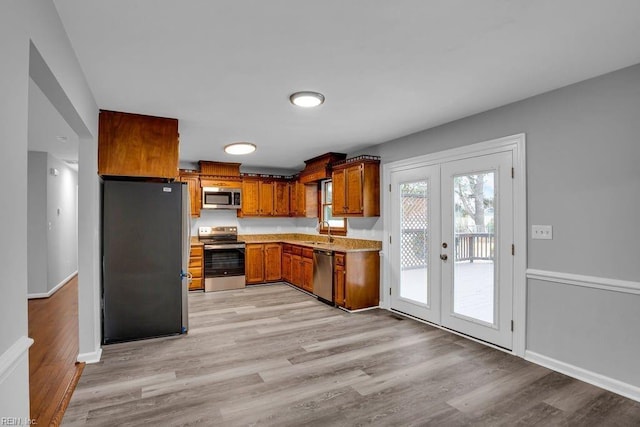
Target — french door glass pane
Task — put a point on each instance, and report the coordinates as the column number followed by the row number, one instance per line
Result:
column 474, row 254
column 414, row 201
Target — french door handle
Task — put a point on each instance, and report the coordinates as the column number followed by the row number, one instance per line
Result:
column 443, row 257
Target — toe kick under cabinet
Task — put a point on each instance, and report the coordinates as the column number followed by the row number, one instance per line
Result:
column 356, row 281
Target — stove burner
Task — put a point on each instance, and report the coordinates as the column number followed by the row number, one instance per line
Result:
column 218, row 234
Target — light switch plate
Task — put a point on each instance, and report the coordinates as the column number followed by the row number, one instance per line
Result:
column 544, row 232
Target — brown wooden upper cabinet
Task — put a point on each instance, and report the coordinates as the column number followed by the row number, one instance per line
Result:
column 303, row 199
column 137, row 146
column 264, row 197
column 319, row 167
column 195, row 191
column 356, row 188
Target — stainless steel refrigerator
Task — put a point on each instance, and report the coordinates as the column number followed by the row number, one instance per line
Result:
column 145, row 255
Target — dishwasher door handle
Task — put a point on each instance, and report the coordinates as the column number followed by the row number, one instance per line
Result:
column 323, row 252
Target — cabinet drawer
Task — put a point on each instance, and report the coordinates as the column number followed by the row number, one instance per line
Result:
column 339, row 258
column 307, row 253
column 195, row 284
column 286, row 248
column 195, row 262
column 196, row 251
column 296, row 250
column 196, row 272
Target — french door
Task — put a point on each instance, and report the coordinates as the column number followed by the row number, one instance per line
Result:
column 452, row 233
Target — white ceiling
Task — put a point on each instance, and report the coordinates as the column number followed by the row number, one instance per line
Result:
column 226, row 69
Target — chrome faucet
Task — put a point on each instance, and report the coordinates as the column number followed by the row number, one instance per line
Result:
column 328, row 230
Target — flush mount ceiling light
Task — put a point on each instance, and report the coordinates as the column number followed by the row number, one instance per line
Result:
column 238, row 148
column 307, row 99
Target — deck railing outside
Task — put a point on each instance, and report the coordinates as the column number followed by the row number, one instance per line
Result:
column 467, row 247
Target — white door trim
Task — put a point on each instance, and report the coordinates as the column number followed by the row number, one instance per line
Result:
column 514, row 143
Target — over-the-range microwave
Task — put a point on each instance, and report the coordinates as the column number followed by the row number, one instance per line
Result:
column 221, row 198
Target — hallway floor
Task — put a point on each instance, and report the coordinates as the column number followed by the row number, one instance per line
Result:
column 53, row 325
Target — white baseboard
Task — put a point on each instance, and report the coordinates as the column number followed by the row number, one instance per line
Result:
column 54, row 289
column 599, row 380
column 14, row 354
column 92, row 357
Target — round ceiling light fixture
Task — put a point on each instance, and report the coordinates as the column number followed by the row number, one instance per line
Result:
column 239, row 148
column 307, row 99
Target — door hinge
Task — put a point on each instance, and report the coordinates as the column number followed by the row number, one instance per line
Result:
column 513, row 249
column 389, row 291
column 512, row 326
column 389, row 239
column 389, row 188
column 513, row 172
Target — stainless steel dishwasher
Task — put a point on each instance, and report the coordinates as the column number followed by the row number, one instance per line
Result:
column 323, row 275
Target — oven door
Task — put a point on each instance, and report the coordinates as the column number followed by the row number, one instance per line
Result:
column 224, row 267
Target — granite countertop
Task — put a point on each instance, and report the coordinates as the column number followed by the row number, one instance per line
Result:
column 340, row 244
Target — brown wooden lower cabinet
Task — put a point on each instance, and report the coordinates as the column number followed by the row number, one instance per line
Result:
column 272, row 262
column 307, row 270
column 263, row 262
column 356, row 282
column 297, row 266
column 356, row 279
column 338, row 279
column 286, row 263
column 196, row 268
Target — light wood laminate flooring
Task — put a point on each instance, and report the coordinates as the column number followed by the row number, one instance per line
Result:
column 271, row 355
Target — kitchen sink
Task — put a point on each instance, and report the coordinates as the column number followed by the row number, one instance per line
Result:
column 309, row 242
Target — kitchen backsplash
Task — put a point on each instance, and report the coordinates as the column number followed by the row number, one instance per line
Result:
column 361, row 228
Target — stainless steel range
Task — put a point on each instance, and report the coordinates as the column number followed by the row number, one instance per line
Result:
column 223, row 258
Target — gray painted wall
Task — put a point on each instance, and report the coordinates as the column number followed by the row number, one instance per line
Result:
column 583, row 178
column 21, row 23
column 62, row 220
column 582, row 154
column 37, row 222
column 14, row 396
column 52, row 223
column 598, row 328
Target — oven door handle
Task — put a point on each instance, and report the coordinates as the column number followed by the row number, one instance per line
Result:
column 231, row 246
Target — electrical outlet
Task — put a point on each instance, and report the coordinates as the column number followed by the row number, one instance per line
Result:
column 544, row 232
